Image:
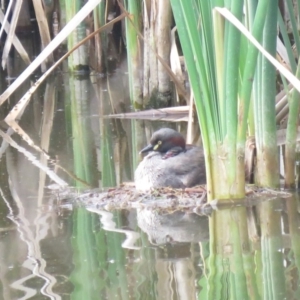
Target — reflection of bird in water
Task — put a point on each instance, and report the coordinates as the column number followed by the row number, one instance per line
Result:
column 171, row 163
column 176, row 227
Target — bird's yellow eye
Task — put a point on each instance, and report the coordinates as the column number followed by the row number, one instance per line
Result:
column 157, row 145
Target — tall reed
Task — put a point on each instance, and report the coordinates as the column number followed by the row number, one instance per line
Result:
column 78, row 60
column 221, row 67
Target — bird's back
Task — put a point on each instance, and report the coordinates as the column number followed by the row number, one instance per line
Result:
column 185, row 169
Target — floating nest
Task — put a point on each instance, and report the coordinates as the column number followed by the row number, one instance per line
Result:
column 165, row 200
column 127, row 197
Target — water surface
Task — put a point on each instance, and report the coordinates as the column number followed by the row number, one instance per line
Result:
column 52, row 247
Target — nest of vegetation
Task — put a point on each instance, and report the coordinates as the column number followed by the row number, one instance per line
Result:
column 165, row 200
column 162, row 199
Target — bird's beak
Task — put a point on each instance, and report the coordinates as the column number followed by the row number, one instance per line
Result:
column 147, row 149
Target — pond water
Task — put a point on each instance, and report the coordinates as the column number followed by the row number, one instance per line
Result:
column 53, row 247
